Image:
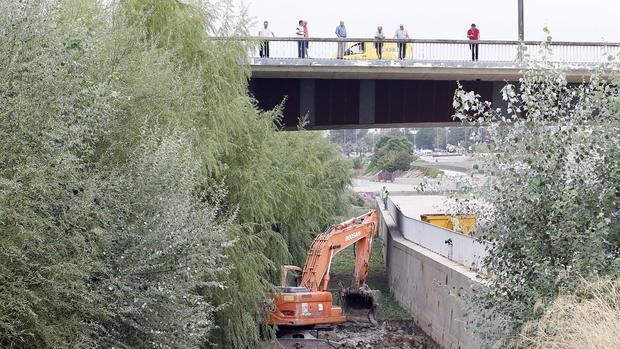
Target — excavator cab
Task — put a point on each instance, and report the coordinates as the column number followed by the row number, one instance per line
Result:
column 297, row 306
column 290, row 276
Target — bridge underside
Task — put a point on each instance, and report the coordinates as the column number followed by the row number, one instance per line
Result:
column 369, row 103
column 335, row 94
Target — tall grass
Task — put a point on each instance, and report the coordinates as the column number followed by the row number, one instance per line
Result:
column 588, row 318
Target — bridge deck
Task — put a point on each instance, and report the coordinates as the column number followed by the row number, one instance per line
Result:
column 319, row 68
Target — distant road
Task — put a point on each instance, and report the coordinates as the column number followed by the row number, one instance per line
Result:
column 458, row 163
column 361, row 185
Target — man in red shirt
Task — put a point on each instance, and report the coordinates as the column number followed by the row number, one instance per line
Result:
column 473, row 34
column 306, row 35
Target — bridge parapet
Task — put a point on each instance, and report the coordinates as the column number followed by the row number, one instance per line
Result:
column 433, row 50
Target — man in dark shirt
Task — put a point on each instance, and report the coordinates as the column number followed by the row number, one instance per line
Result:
column 473, row 34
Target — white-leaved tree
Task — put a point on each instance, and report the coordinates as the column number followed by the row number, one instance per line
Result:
column 552, row 188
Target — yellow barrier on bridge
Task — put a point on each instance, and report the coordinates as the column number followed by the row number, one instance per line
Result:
column 458, row 223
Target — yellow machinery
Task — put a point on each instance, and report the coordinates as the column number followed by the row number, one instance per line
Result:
column 458, row 223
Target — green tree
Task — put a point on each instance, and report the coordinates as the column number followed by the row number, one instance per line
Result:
column 106, row 237
column 392, row 154
column 425, row 138
column 144, row 200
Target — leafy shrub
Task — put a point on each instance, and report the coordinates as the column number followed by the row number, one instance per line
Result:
column 141, row 191
column 554, row 179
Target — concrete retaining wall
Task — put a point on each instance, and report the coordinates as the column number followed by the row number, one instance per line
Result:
column 465, row 250
column 426, row 283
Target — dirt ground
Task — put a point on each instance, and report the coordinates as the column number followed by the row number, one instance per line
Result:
column 396, row 327
column 402, row 334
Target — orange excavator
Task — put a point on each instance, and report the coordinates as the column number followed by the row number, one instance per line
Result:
column 304, row 300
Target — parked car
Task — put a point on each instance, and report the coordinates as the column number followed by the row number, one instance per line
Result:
column 367, row 51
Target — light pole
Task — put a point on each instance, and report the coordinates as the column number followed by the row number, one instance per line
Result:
column 373, row 142
column 520, row 10
column 413, row 132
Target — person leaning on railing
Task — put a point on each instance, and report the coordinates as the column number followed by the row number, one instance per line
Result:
column 301, row 45
column 402, row 34
column 265, row 34
column 341, row 32
column 379, row 35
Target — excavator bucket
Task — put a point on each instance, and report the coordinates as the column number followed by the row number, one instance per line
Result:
column 361, row 305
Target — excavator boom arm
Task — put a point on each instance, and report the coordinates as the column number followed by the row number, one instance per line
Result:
column 360, row 230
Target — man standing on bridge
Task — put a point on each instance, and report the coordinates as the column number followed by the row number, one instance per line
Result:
column 473, row 34
column 341, row 32
column 306, row 35
column 301, row 44
column 379, row 36
column 401, row 34
column 265, row 34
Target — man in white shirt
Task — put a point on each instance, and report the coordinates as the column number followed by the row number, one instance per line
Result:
column 301, row 44
column 401, row 34
column 265, row 33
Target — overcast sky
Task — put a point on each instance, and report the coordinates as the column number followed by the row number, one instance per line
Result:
column 568, row 20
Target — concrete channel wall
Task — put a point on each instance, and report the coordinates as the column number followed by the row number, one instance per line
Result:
column 457, row 247
column 428, row 284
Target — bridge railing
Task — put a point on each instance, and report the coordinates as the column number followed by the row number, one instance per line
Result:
column 462, row 249
column 364, row 49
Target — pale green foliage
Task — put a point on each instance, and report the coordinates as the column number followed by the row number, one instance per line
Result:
column 286, row 186
column 169, row 244
column 144, row 200
column 554, row 181
column 103, row 241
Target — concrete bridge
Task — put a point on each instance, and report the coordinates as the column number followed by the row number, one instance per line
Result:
column 362, row 91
